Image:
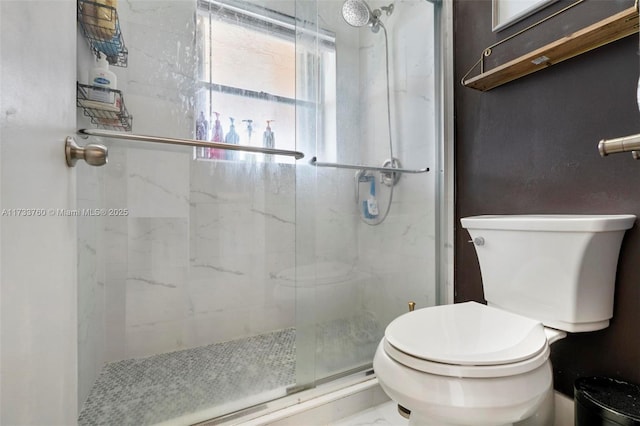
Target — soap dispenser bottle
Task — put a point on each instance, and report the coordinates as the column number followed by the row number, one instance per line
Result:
column 268, row 137
column 103, row 81
column 268, row 140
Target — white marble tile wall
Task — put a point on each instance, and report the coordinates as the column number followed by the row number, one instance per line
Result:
column 242, row 238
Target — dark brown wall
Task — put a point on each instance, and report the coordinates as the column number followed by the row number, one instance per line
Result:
column 530, row 147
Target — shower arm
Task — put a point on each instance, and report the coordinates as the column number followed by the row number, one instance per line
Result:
column 314, row 162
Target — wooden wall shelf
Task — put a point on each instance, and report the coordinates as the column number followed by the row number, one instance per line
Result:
column 613, row 28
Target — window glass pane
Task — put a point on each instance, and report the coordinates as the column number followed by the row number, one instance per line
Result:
column 252, row 59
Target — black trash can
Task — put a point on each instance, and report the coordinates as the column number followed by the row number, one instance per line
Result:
column 601, row 401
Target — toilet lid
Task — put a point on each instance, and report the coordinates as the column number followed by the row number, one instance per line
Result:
column 468, row 334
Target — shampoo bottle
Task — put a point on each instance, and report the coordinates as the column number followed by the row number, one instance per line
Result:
column 103, row 81
column 217, row 136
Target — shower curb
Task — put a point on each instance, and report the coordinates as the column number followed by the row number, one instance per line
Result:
column 318, row 406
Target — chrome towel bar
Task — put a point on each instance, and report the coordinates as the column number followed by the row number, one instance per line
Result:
column 314, row 162
column 623, row 144
column 189, row 142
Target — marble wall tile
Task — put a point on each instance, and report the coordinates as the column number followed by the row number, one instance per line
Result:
column 91, row 300
column 156, row 295
column 116, row 241
column 151, row 191
column 222, row 325
column 116, row 312
column 162, row 65
column 158, row 338
column 216, row 287
column 158, row 243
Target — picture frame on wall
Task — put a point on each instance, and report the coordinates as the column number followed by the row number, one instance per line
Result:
column 508, row 12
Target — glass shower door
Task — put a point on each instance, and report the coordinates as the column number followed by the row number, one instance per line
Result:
column 186, row 301
column 184, row 314
column 356, row 271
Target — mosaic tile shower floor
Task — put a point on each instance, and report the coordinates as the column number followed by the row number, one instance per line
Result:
column 161, row 387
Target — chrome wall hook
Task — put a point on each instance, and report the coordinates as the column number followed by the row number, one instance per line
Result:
column 92, row 153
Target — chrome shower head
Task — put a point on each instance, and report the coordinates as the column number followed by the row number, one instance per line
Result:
column 357, row 13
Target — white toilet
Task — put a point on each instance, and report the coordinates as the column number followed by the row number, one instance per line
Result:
column 471, row 364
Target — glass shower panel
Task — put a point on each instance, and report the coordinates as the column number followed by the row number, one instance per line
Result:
column 184, row 312
column 308, row 56
column 403, row 254
column 192, row 321
column 354, row 275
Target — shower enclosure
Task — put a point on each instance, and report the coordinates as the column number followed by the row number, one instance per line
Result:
column 213, row 280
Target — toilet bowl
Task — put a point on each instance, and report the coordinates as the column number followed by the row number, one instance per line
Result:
column 474, row 364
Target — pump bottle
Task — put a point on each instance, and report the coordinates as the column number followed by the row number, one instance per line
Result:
column 102, row 79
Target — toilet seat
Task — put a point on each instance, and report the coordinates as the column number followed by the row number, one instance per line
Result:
column 467, row 340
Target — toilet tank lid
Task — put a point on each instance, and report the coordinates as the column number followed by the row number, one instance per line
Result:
column 467, row 334
column 551, row 222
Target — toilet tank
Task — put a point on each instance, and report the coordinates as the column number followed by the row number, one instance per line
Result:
column 558, row 269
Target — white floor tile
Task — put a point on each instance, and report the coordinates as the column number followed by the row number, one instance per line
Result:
column 382, row 415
